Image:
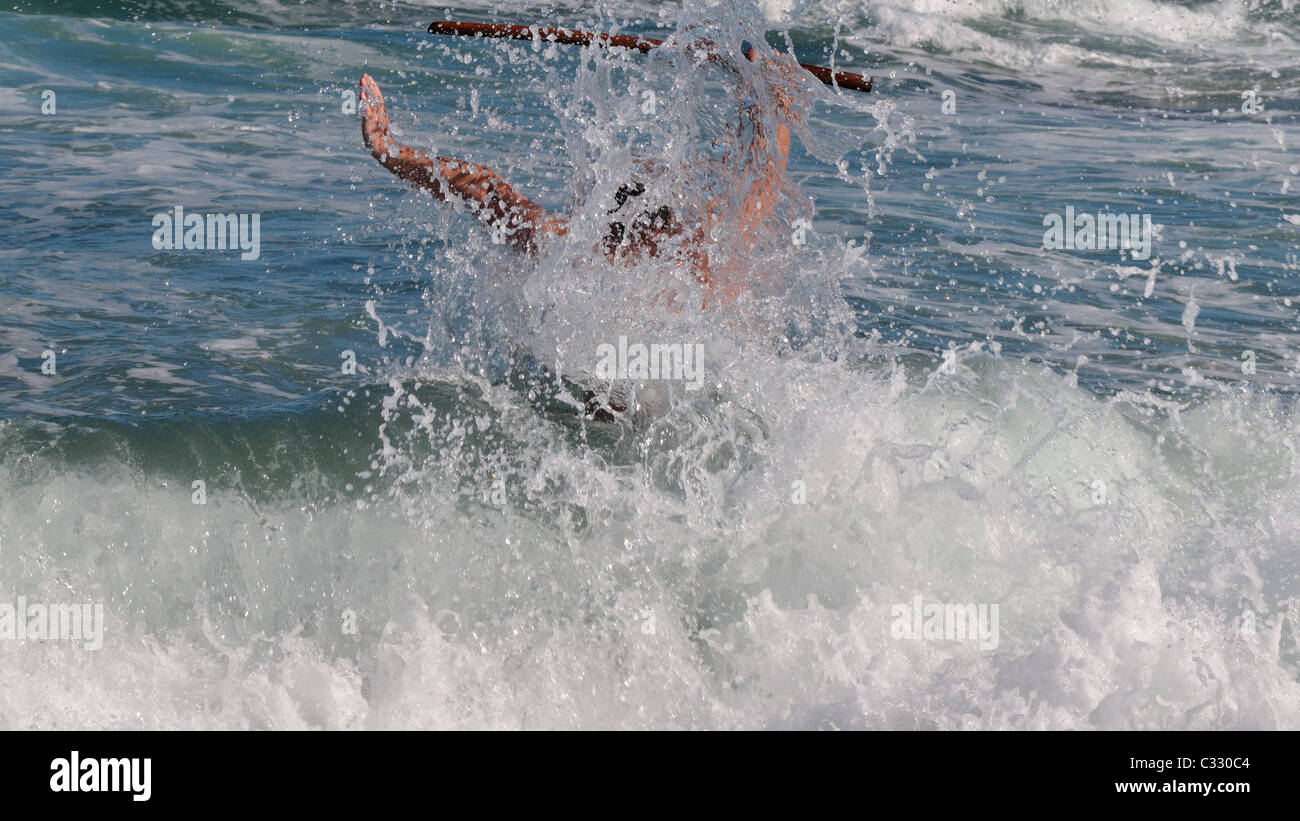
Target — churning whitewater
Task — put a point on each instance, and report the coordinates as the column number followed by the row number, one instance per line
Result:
column 1001, row 433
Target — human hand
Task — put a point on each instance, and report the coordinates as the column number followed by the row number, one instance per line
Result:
column 778, row 76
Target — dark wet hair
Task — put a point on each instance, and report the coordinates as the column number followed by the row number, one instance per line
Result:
column 625, row 192
column 649, row 221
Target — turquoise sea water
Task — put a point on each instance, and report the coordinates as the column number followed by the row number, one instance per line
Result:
column 926, row 402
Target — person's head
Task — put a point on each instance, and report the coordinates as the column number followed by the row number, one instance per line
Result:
column 649, row 224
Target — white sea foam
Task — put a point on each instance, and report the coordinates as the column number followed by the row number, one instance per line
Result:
column 717, row 603
column 732, row 561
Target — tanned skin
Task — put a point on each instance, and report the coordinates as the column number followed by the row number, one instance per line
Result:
column 493, row 200
column 524, row 224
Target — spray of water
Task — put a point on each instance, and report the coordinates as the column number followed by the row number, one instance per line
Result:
column 724, row 557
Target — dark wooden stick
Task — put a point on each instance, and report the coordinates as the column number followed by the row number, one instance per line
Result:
column 843, row 79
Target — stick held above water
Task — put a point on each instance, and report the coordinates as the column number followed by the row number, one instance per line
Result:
column 842, row 79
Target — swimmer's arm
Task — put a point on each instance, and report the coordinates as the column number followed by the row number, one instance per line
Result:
column 491, row 198
column 762, row 195
column 784, row 107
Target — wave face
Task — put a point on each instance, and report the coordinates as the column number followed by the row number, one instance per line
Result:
column 919, row 403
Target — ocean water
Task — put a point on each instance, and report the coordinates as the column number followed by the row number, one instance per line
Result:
column 921, row 400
